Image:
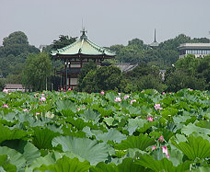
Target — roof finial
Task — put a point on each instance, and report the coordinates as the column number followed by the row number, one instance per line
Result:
column 83, row 31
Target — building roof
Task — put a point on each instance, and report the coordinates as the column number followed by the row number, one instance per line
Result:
column 83, row 46
column 194, row 46
column 154, row 44
column 126, row 67
column 14, row 86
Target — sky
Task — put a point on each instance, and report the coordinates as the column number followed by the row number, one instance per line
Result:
column 108, row 22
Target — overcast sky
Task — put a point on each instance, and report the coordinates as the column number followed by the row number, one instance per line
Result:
column 108, row 22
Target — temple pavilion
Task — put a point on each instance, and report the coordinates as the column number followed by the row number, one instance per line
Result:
column 76, row 55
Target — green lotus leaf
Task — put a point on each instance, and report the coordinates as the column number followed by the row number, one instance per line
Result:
column 192, row 128
column 5, row 164
column 14, row 156
column 27, row 149
column 11, row 134
column 43, row 138
column 195, row 147
column 141, row 142
column 65, row 104
column 202, row 169
column 203, row 124
column 112, row 135
column 103, row 167
column 49, row 159
column 78, row 123
column 88, row 149
column 164, row 164
column 133, row 124
column 109, row 121
column 134, row 111
column 90, row 115
column 128, row 164
column 66, row 164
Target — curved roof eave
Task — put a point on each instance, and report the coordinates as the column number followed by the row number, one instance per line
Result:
column 78, row 47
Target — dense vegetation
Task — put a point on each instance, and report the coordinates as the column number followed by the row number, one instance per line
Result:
column 105, row 132
column 38, row 72
column 135, row 130
column 13, row 54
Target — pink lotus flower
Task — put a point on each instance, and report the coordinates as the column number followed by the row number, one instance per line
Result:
column 5, row 105
column 133, row 101
column 163, row 93
column 161, row 139
column 69, row 89
column 153, row 148
column 42, row 99
column 102, row 93
column 150, row 118
column 37, row 113
column 165, row 151
column 170, row 93
column 157, row 106
column 42, row 94
column 126, row 97
column 25, row 110
column 78, row 109
column 117, row 99
column 5, row 91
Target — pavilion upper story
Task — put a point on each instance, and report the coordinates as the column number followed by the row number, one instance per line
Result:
column 76, row 55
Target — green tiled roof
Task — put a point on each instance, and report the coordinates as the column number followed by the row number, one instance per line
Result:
column 83, row 46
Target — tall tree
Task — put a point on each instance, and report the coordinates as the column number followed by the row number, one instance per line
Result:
column 37, row 70
column 63, row 41
column 16, row 38
column 104, row 78
column 84, row 71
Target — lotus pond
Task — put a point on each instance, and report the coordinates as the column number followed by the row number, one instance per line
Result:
column 105, row 132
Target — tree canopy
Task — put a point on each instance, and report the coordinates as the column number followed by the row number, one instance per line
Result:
column 37, row 70
column 189, row 72
column 103, row 78
column 13, row 53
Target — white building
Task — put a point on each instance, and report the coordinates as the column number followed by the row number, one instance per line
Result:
column 197, row 49
column 14, row 87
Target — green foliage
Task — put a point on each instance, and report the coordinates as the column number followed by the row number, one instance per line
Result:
column 6, row 165
column 43, row 138
column 189, row 72
column 89, row 149
column 84, row 71
column 145, row 77
column 11, row 134
column 63, row 41
column 161, row 165
column 103, row 78
column 141, row 142
column 37, row 70
column 2, row 84
column 66, row 164
column 194, row 148
column 15, row 157
column 15, row 38
column 94, row 132
column 13, row 53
